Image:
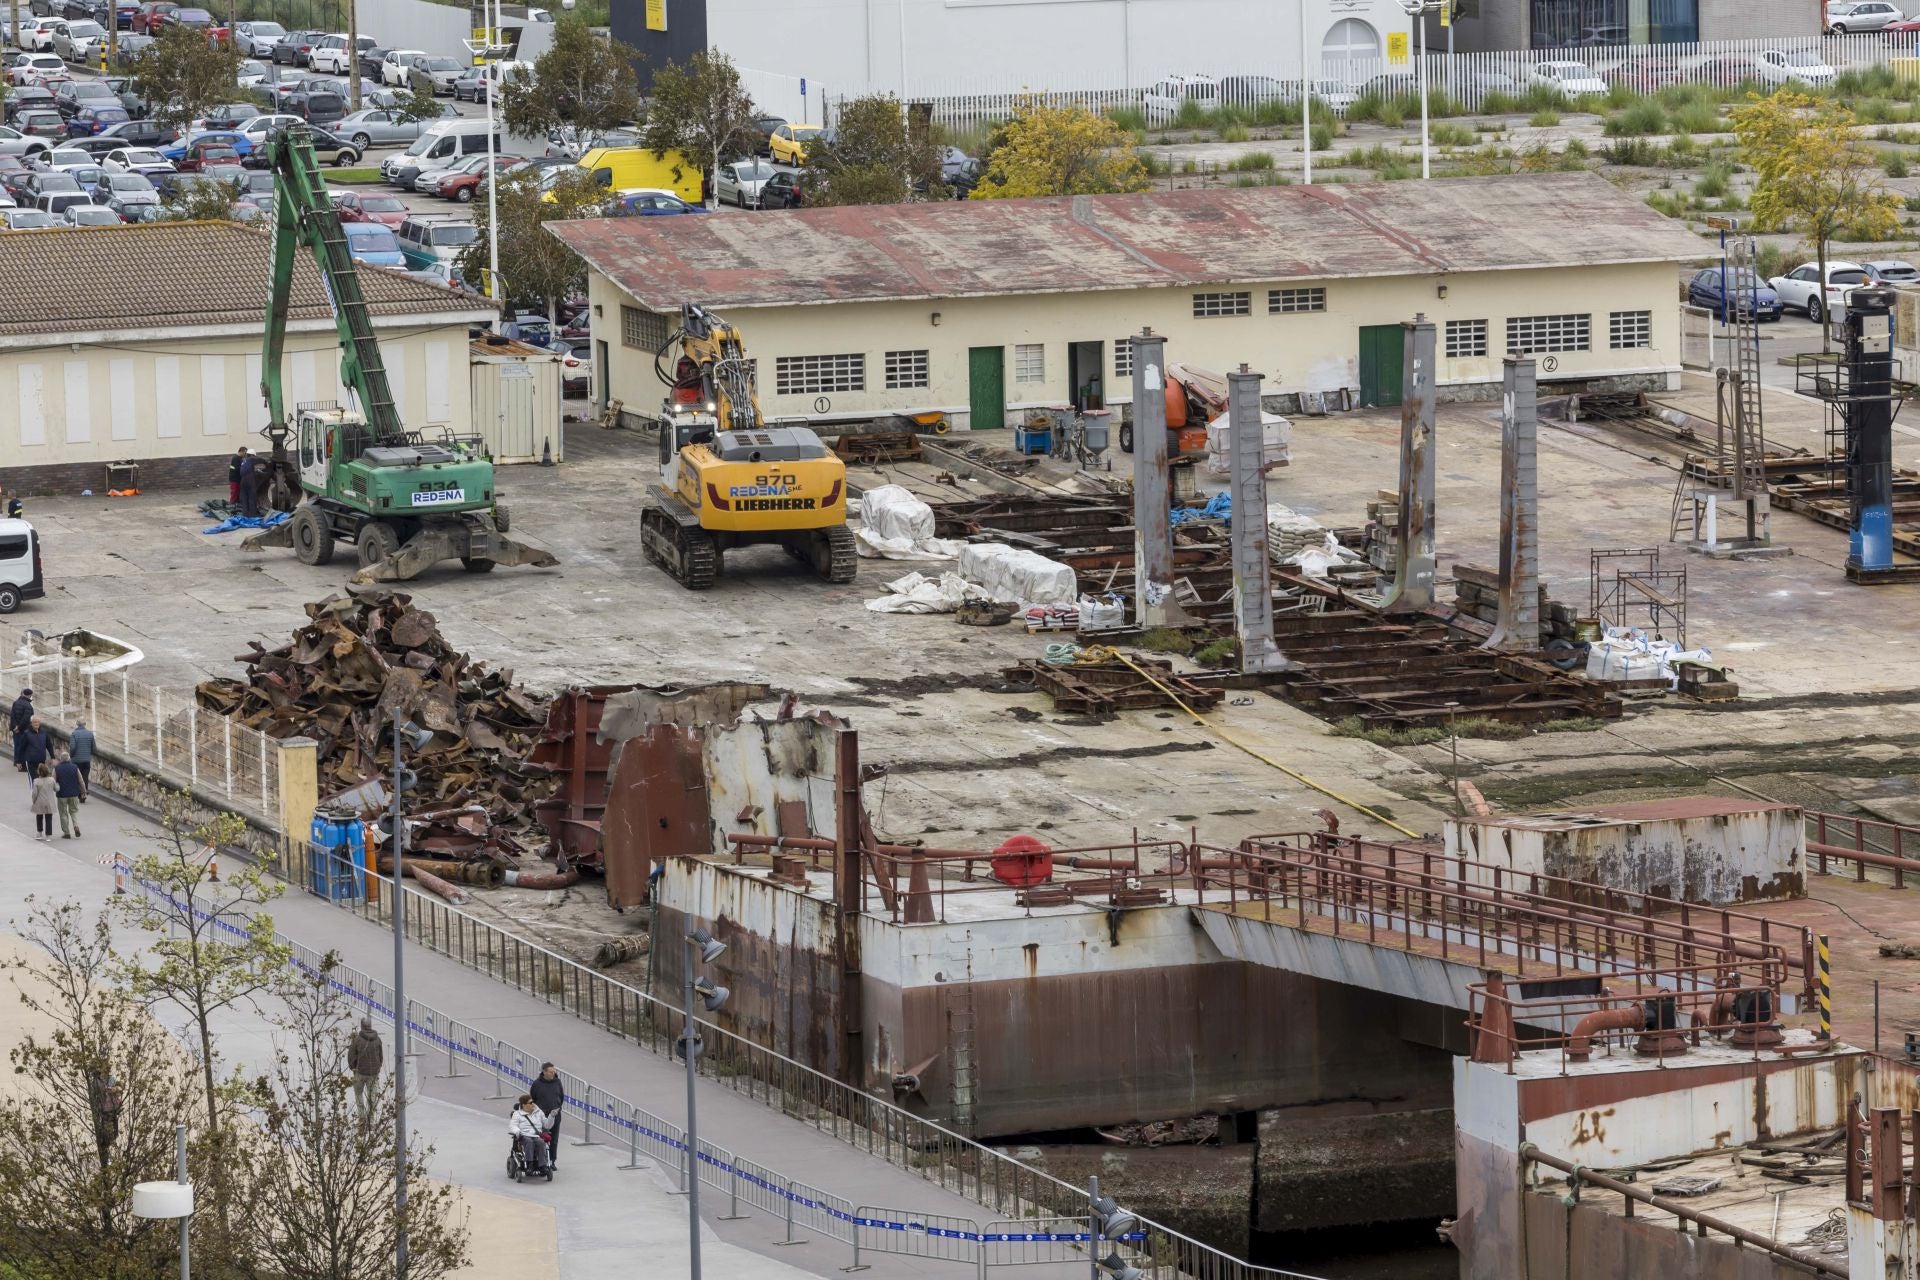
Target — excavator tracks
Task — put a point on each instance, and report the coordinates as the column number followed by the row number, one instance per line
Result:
column 842, row 557
column 689, row 554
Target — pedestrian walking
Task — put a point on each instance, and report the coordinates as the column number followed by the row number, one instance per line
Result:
column 249, row 485
column 68, row 787
column 44, row 802
column 550, row 1095
column 80, row 747
column 233, row 474
column 365, row 1056
column 36, row 748
column 17, row 720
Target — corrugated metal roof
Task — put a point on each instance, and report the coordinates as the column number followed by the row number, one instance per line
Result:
column 152, row 275
column 969, row 248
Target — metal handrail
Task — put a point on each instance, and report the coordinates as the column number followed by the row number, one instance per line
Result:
column 936, row 1154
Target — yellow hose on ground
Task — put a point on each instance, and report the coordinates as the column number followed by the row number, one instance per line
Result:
column 1211, row 727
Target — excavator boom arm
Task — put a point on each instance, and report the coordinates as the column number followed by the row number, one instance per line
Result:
column 304, row 215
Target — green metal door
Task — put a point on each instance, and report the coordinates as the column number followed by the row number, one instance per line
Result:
column 1382, row 364
column 986, row 387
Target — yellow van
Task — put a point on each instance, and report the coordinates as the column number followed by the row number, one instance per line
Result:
column 621, row 168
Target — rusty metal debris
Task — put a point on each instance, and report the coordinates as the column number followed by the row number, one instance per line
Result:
column 1101, row 688
column 878, row 446
column 364, row 658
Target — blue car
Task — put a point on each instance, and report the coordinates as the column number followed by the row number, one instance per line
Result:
column 651, row 204
column 1704, row 291
column 374, row 245
column 240, row 142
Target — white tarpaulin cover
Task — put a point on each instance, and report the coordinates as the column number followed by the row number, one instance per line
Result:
column 895, row 525
column 917, row 593
column 1276, row 437
column 1013, row 573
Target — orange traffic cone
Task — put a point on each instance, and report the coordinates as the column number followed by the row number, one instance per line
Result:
column 213, row 871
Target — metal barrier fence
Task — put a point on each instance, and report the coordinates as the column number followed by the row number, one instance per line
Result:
column 1464, row 83
column 152, row 729
column 1012, row 1190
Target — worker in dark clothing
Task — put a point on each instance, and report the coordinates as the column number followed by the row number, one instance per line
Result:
column 36, row 749
column 17, row 722
column 550, row 1095
column 80, row 746
column 68, row 788
column 249, row 485
column 233, row 474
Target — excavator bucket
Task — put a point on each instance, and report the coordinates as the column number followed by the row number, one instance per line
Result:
column 281, row 535
column 451, row 542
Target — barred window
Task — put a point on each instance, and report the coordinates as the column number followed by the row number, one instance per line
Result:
column 1223, row 304
column 1282, row 301
column 1466, row 338
column 1030, row 362
column 1630, row 329
column 906, row 369
column 642, row 329
column 815, row 375
column 1123, row 358
column 1528, row 334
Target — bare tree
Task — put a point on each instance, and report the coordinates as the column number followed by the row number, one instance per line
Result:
column 92, row 1112
column 322, row 1188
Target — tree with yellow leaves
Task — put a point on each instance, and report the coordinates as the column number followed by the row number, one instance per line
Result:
column 1812, row 174
column 1058, row 151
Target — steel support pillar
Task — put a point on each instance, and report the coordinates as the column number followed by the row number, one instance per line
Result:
column 848, row 850
column 1153, row 602
column 1413, row 573
column 1870, row 407
column 1252, row 577
column 1518, row 627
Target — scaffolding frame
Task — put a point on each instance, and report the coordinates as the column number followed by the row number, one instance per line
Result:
column 1630, row 587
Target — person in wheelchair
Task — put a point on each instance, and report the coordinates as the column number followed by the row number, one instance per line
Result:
column 528, row 1126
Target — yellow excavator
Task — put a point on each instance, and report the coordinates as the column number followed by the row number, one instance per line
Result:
column 727, row 478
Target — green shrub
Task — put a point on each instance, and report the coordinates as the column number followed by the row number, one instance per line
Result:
column 1448, row 134
column 1191, row 115
column 1544, row 118
column 1621, row 94
column 1641, row 118
column 1234, row 133
column 1667, row 203
column 1636, row 152
column 1681, row 150
column 1894, row 163
column 1276, row 112
column 1322, row 135
column 1714, row 183
column 1132, row 119
column 1695, row 117
column 1913, row 204
column 1496, row 103
column 1537, row 97
column 1390, row 115
column 1577, row 151
column 1254, row 162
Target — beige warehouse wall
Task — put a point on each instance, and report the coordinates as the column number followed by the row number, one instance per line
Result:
column 1312, row 351
column 185, row 398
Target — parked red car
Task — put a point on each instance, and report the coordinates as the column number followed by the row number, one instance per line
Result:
column 462, row 187
column 201, row 154
column 152, row 16
column 371, row 206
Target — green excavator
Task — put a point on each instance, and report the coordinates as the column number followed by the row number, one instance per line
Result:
column 360, row 476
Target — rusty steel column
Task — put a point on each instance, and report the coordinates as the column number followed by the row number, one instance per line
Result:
column 1413, row 561
column 1153, row 604
column 1252, row 577
column 847, row 813
column 1518, row 628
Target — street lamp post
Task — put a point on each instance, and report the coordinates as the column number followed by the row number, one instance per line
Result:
column 488, row 50
column 171, row 1200
column 1306, row 100
column 702, row 948
column 1418, row 10
column 403, row 732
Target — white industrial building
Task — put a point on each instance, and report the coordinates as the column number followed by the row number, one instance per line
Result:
column 142, row 343
column 982, row 309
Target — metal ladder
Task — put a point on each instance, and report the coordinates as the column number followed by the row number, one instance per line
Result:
column 961, row 1079
column 1750, row 437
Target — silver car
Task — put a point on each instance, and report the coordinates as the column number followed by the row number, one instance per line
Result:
column 256, row 39
column 435, row 74
column 740, row 182
column 80, row 42
column 121, row 191
column 1862, row 15
column 377, row 127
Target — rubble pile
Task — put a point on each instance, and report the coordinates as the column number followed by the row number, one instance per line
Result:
column 358, row 661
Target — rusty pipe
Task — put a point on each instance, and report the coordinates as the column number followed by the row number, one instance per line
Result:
column 541, row 879
column 1580, row 1044
column 818, row 844
column 1868, row 856
column 484, row 874
column 1685, row 1212
column 428, row 880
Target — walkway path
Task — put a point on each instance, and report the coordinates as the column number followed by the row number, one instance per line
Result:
column 606, row 1220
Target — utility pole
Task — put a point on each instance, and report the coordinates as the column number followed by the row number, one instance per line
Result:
column 353, row 54
column 398, row 837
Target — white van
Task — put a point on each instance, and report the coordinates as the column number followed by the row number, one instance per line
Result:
column 20, row 577
column 439, row 146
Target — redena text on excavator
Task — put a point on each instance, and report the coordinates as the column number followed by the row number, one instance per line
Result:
column 361, row 477
column 730, row 480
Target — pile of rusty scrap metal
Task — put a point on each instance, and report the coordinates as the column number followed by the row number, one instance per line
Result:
column 364, row 658
column 1110, row 685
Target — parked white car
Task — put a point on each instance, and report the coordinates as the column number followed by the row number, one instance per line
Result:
column 1162, row 102
column 141, row 160
column 1569, row 79
column 1862, row 15
column 332, row 54
column 1794, row 66
column 397, row 65
column 36, row 34
column 1800, row 290
column 36, row 67
column 740, row 182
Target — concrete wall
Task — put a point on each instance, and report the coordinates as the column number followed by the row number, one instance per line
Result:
column 180, row 405
column 1313, row 351
column 1725, row 858
column 913, row 47
column 417, row 24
